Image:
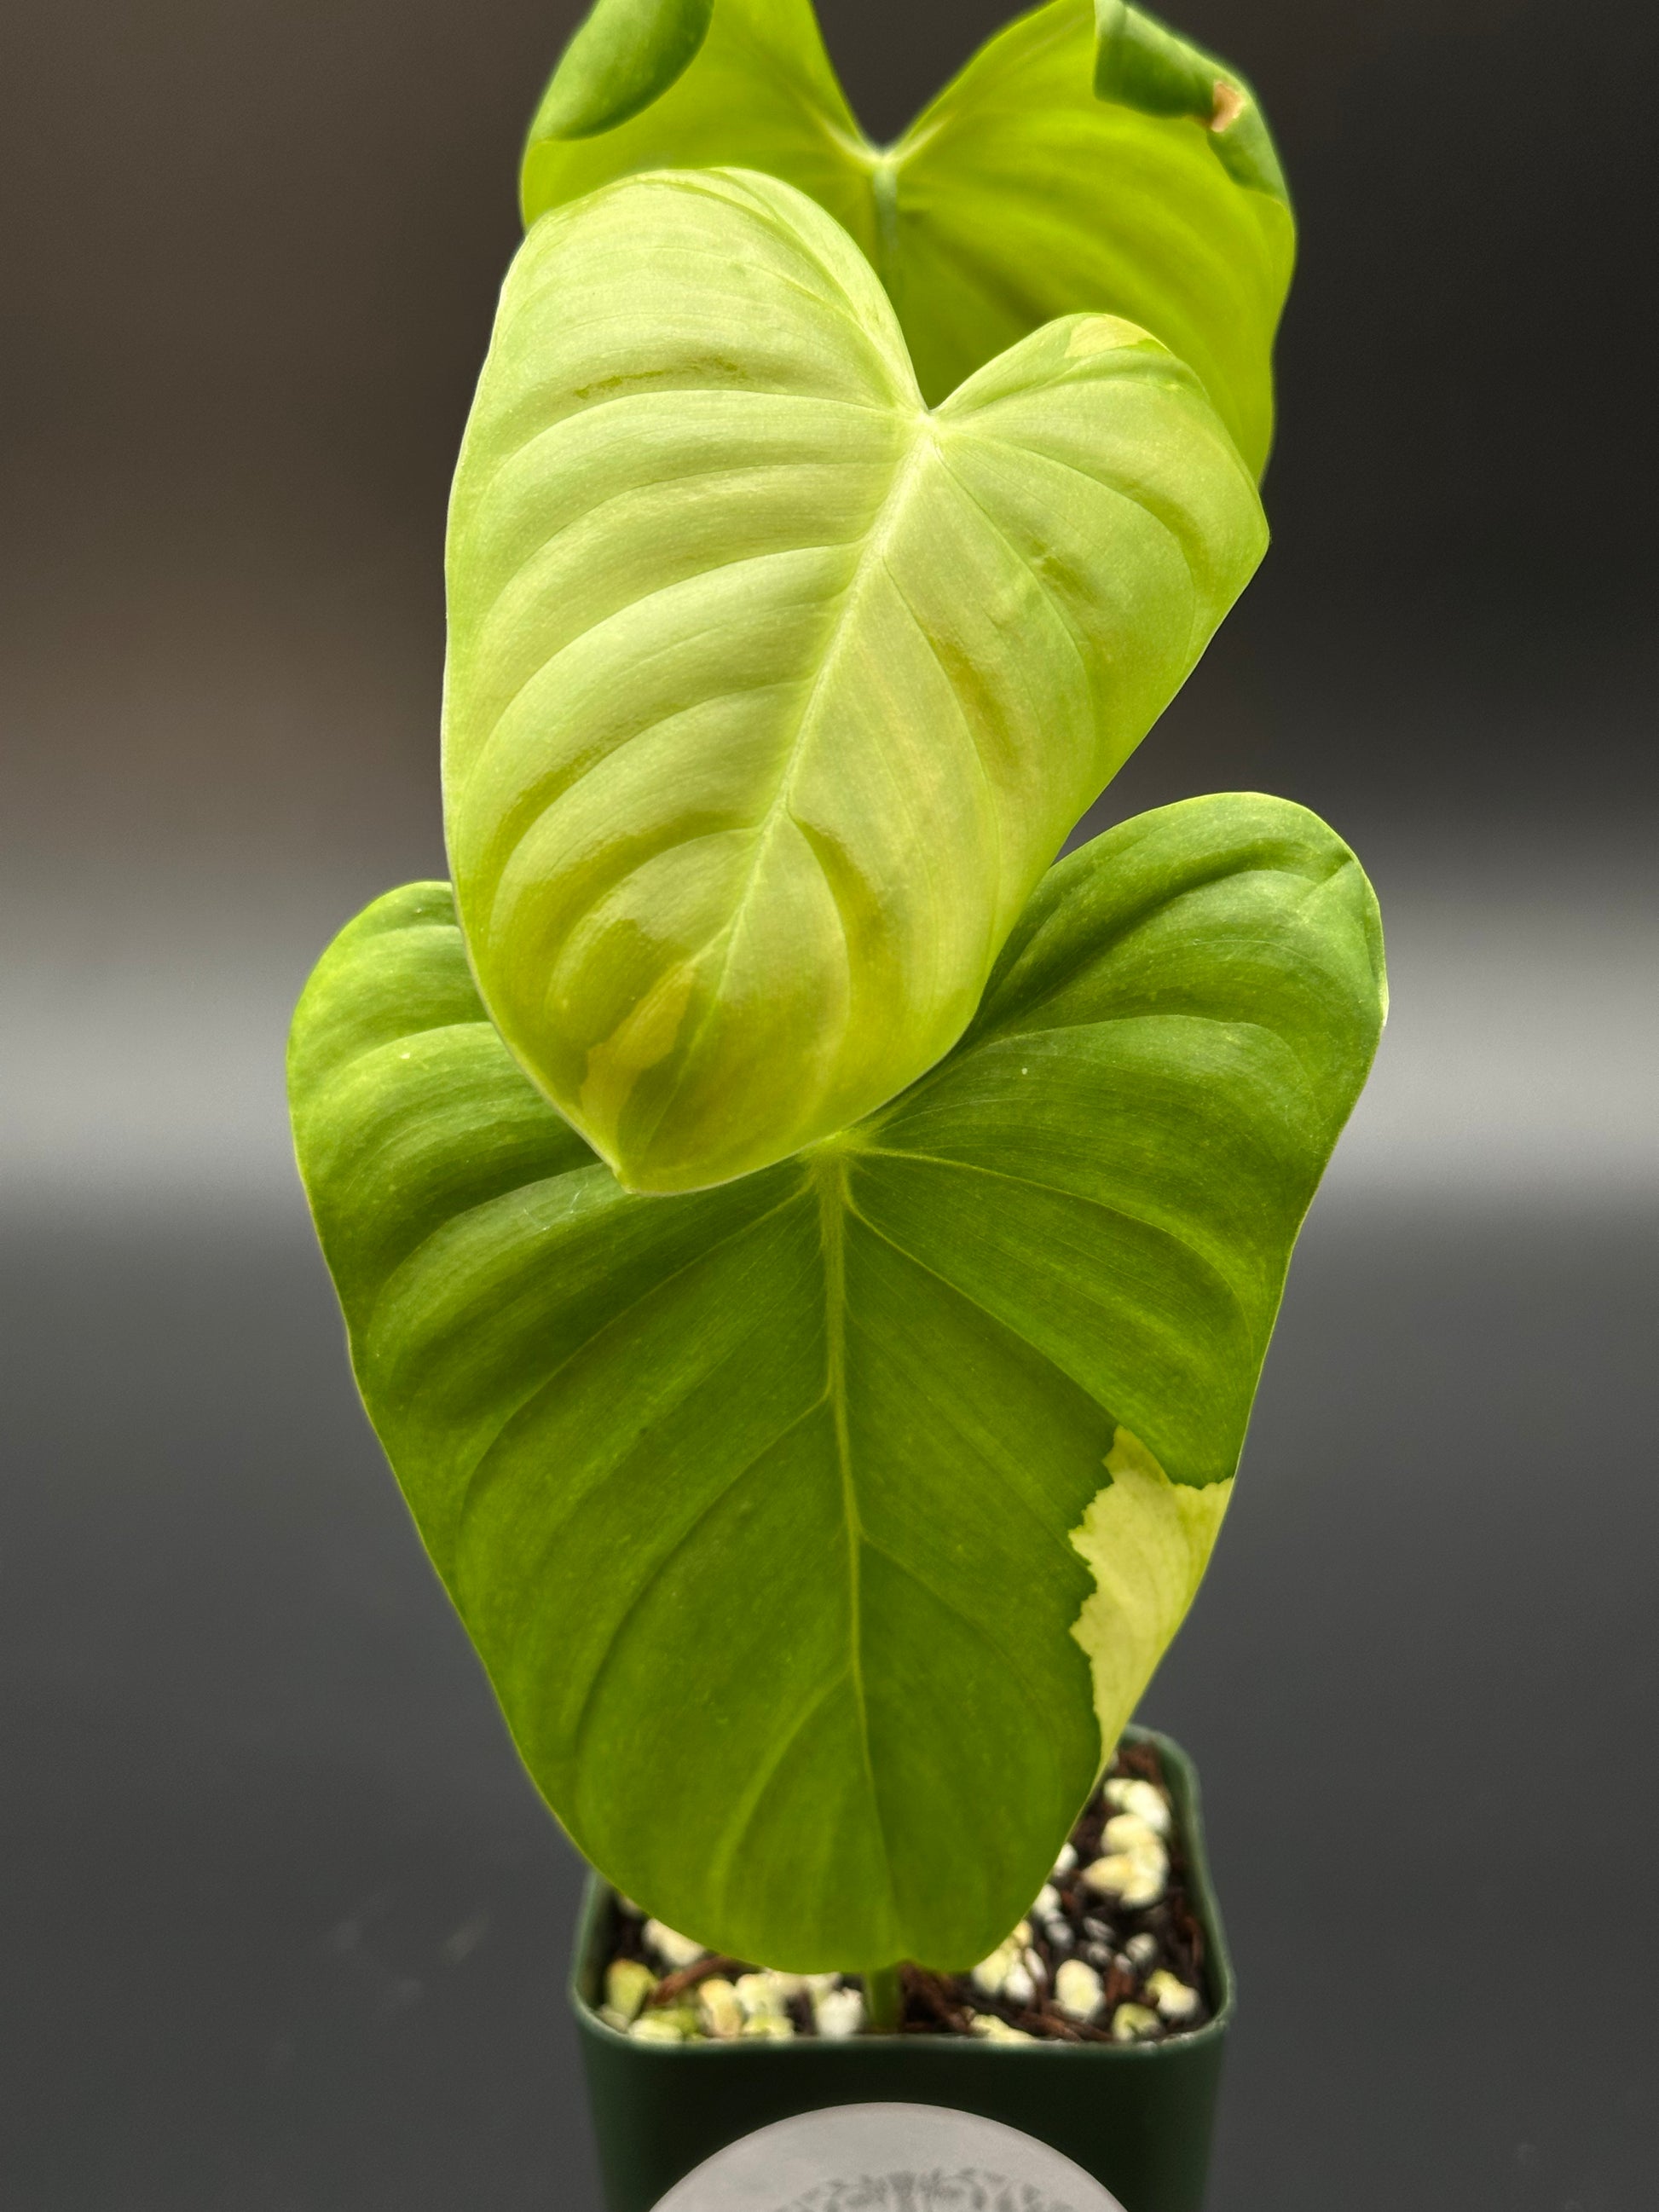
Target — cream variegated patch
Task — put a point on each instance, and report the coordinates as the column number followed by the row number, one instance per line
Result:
column 1147, row 1541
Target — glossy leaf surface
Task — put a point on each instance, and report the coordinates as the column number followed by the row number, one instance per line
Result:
column 820, row 1532
column 1086, row 160
column 771, row 693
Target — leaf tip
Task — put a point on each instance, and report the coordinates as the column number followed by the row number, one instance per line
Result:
column 1140, row 63
column 623, row 58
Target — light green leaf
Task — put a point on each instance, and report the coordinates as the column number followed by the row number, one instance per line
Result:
column 772, row 693
column 820, row 1532
column 1086, row 159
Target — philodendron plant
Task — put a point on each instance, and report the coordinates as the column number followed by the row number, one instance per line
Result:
column 808, row 1258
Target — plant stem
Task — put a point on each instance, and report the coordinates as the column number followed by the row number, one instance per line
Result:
column 883, row 1999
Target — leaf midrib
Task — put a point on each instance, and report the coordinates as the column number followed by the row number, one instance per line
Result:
column 871, row 560
column 834, row 1204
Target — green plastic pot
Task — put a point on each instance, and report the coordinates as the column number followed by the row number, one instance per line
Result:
column 1138, row 2117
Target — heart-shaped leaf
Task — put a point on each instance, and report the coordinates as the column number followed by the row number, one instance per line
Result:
column 1086, row 159
column 820, row 1532
column 772, row 693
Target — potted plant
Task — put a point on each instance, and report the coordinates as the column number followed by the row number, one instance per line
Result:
column 808, row 1258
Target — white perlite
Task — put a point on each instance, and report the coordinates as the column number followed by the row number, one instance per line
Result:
column 766, row 1995
column 1144, row 1799
column 1133, row 2023
column 721, row 2009
column 1172, row 1996
column 628, row 1984
column 837, row 2013
column 992, row 1974
column 674, row 1949
column 1127, row 1831
column 1019, row 1984
column 1078, row 1989
column 1134, row 1881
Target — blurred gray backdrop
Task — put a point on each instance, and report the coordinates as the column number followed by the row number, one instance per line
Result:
column 284, row 1925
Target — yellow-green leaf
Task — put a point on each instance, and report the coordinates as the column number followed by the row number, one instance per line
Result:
column 772, row 691
column 1086, row 159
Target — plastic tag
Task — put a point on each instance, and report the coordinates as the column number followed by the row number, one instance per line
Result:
column 888, row 2158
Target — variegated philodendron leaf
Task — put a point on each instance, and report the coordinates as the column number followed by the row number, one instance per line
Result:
column 1085, row 158
column 820, row 1532
column 771, row 692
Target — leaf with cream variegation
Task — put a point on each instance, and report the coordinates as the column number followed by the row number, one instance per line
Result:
column 819, row 1532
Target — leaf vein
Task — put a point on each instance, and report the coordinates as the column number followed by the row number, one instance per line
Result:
column 1195, row 1253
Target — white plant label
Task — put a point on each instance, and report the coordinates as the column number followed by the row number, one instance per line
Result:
column 888, row 2158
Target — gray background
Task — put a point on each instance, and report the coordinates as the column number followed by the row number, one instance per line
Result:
column 284, row 1926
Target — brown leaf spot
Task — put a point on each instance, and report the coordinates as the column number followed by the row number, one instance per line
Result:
column 1228, row 105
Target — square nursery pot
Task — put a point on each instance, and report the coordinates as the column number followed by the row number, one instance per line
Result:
column 1136, row 2117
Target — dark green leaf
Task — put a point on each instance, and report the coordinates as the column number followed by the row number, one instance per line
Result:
column 820, row 1532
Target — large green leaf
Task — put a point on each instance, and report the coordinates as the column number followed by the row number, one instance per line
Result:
column 772, row 693
column 820, row 1532
column 1085, row 158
